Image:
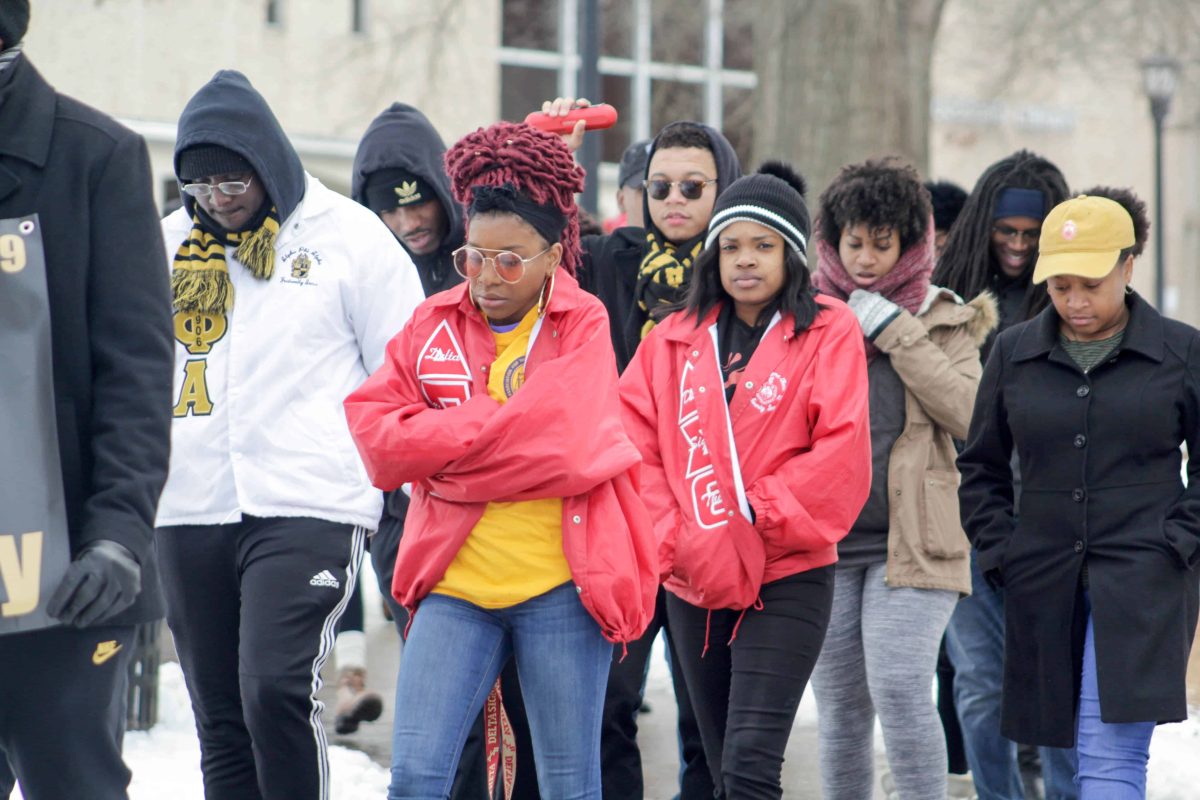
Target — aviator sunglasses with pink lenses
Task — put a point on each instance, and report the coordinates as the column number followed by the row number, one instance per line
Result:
column 510, row 267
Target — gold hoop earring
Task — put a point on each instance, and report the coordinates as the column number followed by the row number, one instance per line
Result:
column 547, row 293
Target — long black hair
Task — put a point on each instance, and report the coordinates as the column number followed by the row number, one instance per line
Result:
column 967, row 266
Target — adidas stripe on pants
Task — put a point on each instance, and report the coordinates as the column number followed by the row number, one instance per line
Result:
column 253, row 607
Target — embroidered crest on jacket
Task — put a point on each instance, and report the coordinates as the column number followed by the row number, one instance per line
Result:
column 770, row 393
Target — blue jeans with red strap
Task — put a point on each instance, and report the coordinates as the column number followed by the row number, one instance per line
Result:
column 451, row 659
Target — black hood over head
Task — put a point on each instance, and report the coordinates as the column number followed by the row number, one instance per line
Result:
column 228, row 111
column 403, row 137
column 729, row 169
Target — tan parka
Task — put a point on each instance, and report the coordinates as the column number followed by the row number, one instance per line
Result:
column 936, row 355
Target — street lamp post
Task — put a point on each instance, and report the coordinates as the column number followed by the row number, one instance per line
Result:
column 1160, row 74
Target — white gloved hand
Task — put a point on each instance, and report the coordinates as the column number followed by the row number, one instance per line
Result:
column 874, row 311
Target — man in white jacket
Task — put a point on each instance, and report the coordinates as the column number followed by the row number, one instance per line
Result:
column 285, row 295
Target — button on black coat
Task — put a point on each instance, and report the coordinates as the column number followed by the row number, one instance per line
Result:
column 88, row 179
column 1100, row 465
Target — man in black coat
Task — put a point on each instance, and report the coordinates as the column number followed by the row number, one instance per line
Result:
column 63, row 689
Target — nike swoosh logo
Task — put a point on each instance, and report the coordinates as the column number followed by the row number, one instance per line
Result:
column 105, row 651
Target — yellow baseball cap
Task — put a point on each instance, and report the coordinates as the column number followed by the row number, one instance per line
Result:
column 1083, row 236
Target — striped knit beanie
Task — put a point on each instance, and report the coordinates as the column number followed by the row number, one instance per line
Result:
column 774, row 197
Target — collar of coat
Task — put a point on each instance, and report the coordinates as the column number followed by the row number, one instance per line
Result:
column 1143, row 333
column 945, row 309
column 27, row 116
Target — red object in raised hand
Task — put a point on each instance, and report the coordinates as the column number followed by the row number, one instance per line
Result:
column 598, row 116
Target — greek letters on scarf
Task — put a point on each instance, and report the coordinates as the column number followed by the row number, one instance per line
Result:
column 664, row 274
column 425, row 417
column 906, row 285
column 200, row 277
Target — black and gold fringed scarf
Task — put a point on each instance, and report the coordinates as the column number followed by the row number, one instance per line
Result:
column 200, row 276
column 663, row 275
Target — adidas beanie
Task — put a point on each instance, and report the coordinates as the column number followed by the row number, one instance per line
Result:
column 767, row 200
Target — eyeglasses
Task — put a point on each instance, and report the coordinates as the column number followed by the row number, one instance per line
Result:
column 691, row 189
column 228, row 188
column 1012, row 235
column 510, row 267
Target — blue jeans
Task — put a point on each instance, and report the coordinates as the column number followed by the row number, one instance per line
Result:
column 1112, row 756
column 451, row 660
column 975, row 644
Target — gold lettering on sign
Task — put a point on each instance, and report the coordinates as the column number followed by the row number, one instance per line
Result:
column 22, row 577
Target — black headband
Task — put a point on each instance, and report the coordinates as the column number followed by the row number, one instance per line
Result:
column 548, row 221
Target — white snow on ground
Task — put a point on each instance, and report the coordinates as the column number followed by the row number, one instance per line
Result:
column 166, row 759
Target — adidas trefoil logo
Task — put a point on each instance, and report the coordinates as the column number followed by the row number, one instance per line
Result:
column 407, row 191
column 325, row 578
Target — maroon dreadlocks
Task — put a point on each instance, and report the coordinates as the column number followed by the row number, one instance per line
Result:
column 536, row 163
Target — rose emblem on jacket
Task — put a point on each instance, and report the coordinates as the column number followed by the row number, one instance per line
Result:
column 770, row 394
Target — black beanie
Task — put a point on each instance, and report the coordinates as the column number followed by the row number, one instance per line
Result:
column 204, row 160
column 393, row 187
column 774, row 197
column 14, row 21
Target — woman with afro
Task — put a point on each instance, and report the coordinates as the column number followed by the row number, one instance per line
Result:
column 904, row 563
column 526, row 537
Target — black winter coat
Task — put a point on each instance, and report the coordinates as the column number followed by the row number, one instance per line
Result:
column 88, row 180
column 609, row 270
column 1100, row 462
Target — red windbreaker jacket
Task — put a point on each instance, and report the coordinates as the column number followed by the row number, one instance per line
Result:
column 425, row 418
column 794, row 445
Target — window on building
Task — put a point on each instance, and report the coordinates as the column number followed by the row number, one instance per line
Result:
column 274, row 12
column 358, row 16
column 660, row 60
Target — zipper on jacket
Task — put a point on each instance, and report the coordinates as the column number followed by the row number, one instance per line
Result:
column 738, row 486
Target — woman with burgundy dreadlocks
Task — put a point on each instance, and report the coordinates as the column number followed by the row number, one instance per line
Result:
column 526, row 535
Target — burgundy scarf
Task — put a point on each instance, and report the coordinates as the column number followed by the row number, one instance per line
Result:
column 906, row 285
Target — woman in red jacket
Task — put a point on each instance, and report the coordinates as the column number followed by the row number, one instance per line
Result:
column 526, row 537
column 749, row 406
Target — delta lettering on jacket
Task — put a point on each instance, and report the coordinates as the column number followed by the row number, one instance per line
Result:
column 258, row 422
column 762, row 487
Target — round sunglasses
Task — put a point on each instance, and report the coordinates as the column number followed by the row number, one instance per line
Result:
column 691, row 189
column 510, row 267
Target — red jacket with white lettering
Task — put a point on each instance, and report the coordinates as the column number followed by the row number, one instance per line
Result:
column 425, row 418
column 794, row 445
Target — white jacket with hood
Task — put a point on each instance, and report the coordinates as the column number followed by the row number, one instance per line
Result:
column 258, row 426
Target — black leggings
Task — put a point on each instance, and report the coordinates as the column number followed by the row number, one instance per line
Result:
column 746, row 693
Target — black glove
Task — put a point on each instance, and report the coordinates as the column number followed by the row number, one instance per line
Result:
column 101, row 582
